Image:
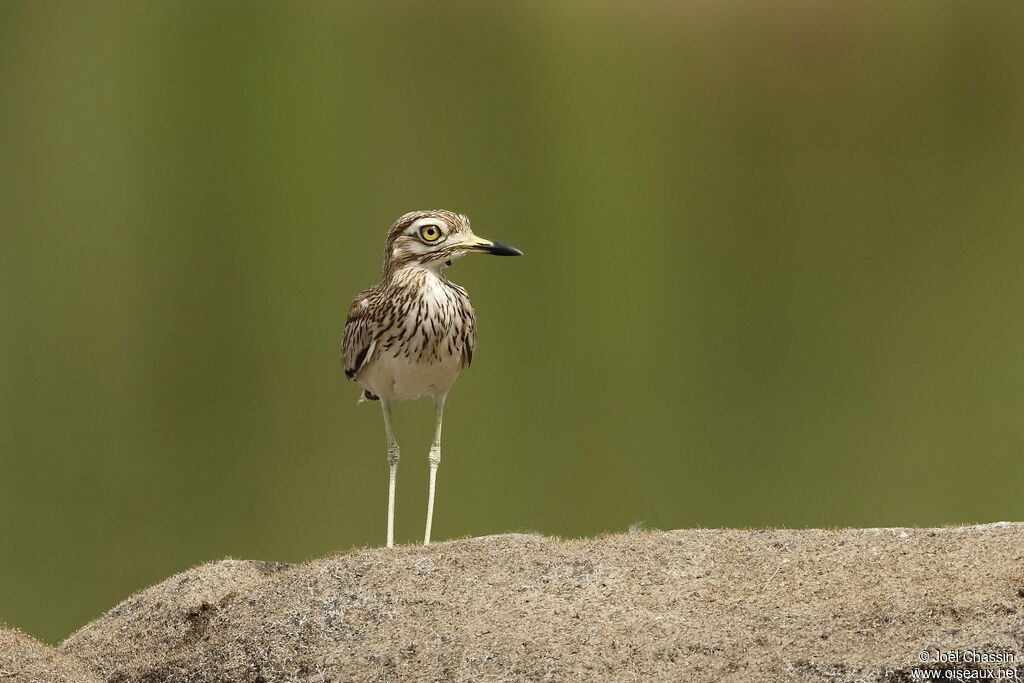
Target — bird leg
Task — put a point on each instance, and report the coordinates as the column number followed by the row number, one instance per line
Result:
column 393, row 466
column 434, row 459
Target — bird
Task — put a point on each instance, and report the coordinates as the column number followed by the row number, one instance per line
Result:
column 411, row 334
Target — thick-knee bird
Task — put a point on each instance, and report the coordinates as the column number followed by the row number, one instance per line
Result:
column 410, row 334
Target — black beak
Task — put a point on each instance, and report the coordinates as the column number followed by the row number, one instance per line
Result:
column 500, row 249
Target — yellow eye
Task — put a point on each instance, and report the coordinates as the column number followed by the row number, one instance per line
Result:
column 430, row 233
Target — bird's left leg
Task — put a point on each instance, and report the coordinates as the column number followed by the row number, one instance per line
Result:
column 434, row 459
column 393, row 454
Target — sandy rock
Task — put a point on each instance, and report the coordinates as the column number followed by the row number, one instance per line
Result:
column 145, row 636
column 25, row 660
column 696, row 605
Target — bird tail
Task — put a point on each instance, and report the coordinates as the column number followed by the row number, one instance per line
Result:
column 366, row 396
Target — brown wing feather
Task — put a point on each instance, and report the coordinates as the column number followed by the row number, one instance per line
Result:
column 360, row 332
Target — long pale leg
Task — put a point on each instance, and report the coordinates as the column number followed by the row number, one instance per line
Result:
column 393, row 466
column 434, row 459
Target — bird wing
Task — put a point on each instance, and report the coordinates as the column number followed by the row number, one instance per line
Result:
column 360, row 338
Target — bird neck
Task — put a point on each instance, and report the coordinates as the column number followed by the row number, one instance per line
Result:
column 414, row 272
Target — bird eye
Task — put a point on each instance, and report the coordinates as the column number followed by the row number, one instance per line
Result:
column 430, row 233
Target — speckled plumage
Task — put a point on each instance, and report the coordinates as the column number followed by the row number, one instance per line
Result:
column 414, row 317
column 413, row 332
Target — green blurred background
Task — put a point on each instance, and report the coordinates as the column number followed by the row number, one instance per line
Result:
column 773, row 273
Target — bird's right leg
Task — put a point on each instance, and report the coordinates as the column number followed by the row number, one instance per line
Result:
column 393, row 466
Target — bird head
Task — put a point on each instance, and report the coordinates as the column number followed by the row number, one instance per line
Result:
column 433, row 239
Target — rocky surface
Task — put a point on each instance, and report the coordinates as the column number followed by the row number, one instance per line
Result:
column 696, row 605
column 25, row 660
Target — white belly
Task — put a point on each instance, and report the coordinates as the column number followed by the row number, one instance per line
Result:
column 398, row 378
